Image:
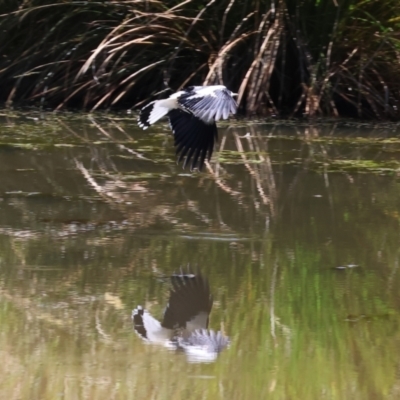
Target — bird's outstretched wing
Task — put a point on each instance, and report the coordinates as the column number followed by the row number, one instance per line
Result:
column 193, row 137
column 189, row 304
column 208, row 103
column 203, row 345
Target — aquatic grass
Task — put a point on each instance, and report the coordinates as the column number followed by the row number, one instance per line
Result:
column 283, row 58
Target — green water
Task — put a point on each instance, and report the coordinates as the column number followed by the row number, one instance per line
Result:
column 93, row 211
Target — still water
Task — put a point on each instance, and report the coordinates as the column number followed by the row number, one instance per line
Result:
column 296, row 229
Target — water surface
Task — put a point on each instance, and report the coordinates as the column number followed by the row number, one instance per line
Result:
column 296, row 227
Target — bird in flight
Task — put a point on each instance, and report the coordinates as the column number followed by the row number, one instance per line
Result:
column 192, row 114
column 184, row 325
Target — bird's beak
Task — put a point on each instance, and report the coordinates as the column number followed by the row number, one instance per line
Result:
column 234, row 94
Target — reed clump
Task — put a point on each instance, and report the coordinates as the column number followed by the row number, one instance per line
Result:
column 284, row 58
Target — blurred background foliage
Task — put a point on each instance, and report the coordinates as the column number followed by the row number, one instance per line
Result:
column 283, row 57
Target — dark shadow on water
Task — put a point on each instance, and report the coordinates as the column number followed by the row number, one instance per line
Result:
column 184, row 326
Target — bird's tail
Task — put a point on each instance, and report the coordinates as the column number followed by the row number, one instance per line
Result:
column 153, row 111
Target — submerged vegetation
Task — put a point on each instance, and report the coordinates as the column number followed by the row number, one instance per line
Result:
column 283, row 57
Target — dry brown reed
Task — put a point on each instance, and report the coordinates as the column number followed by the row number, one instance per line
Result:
column 282, row 57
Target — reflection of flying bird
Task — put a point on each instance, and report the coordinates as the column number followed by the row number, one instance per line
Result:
column 185, row 322
column 192, row 113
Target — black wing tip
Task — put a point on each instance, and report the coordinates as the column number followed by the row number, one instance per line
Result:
column 188, row 275
column 188, row 271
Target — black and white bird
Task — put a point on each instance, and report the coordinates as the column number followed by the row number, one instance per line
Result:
column 192, row 114
column 185, row 322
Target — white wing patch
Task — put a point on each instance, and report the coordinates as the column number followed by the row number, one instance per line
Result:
column 154, row 332
column 202, row 91
column 209, row 103
column 160, row 109
column 156, row 110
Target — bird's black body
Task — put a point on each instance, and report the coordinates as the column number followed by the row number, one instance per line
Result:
column 192, row 114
